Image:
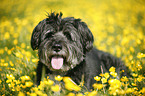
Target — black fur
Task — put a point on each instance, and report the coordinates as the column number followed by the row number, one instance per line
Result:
column 71, row 39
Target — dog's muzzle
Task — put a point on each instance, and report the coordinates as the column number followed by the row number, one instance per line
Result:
column 57, row 47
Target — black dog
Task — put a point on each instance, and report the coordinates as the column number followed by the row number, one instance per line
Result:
column 65, row 47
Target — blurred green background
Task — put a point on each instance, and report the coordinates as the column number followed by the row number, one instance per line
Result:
column 112, row 22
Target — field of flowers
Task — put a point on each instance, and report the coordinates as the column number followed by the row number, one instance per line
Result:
column 117, row 25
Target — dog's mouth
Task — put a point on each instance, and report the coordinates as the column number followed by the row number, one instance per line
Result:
column 57, row 62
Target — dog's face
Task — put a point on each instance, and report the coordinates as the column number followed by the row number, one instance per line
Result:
column 61, row 42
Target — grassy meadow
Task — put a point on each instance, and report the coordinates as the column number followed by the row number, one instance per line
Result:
column 118, row 27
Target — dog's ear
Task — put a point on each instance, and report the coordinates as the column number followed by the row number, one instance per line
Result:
column 35, row 38
column 86, row 35
column 43, row 25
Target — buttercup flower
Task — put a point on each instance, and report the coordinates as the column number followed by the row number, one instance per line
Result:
column 70, row 85
column 97, row 78
column 55, row 88
column 140, row 55
column 97, row 86
column 28, row 84
column 7, row 35
column 112, row 69
column 93, row 93
column 21, row 94
column 58, row 78
column 104, row 80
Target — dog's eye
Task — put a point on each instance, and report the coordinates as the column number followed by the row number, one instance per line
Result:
column 49, row 35
column 68, row 35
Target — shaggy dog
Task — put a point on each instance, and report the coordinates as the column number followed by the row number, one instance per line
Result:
column 65, row 47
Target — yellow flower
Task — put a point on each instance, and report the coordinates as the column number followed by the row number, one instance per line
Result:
column 11, row 85
column 130, row 90
column 12, row 49
column 9, row 52
column 58, row 78
column 70, row 84
column 28, row 54
column 140, row 55
column 19, row 55
column 47, row 77
column 134, row 75
column 18, row 88
column 112, row 69
column 86, row 93
column 97, row 78
column 55, row 88
column 35, row 60
column 104, row 80
column 2, row 60
column 139, row 67
column 28, row 93
column 131, row 49
column 5, row 64
column 0, row 81
column 101, row 75
column 124, row 79
column 23, row 45
column 7, row 35
column 40, row 93
column 23, row 86
column 25, row 78
column 15, row 42
column 21, row 94
column 24, row 22
column 140, row 78
column 48, row 82
column 93, row 93
column 138, row 41
column 11, row 77
column 97, row 86
column 79, row 94
column 28, row 47
column 122, row 70
column 106, row 75
column 11, row 63
column 133, row 84
column 121, row 92
column 1, row 51
column 18, row 82
column 6, row 48
column 114, row 83
column 28, row 84
column 71, row 87
column 114, row 74
column 70, row 94
column 15, row 35
column 33, row 94
column 8, row 81
column 142, row 90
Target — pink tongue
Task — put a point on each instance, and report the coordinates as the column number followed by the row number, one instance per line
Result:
column 56, row 62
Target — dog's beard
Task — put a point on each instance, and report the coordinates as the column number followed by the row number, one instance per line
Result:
column 64, row 60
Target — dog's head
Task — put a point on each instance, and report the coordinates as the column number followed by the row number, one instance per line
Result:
column 61, row 42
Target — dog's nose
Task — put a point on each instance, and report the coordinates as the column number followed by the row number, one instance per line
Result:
column 57, row 47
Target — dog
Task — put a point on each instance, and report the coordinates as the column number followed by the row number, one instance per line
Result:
column 65, row 47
